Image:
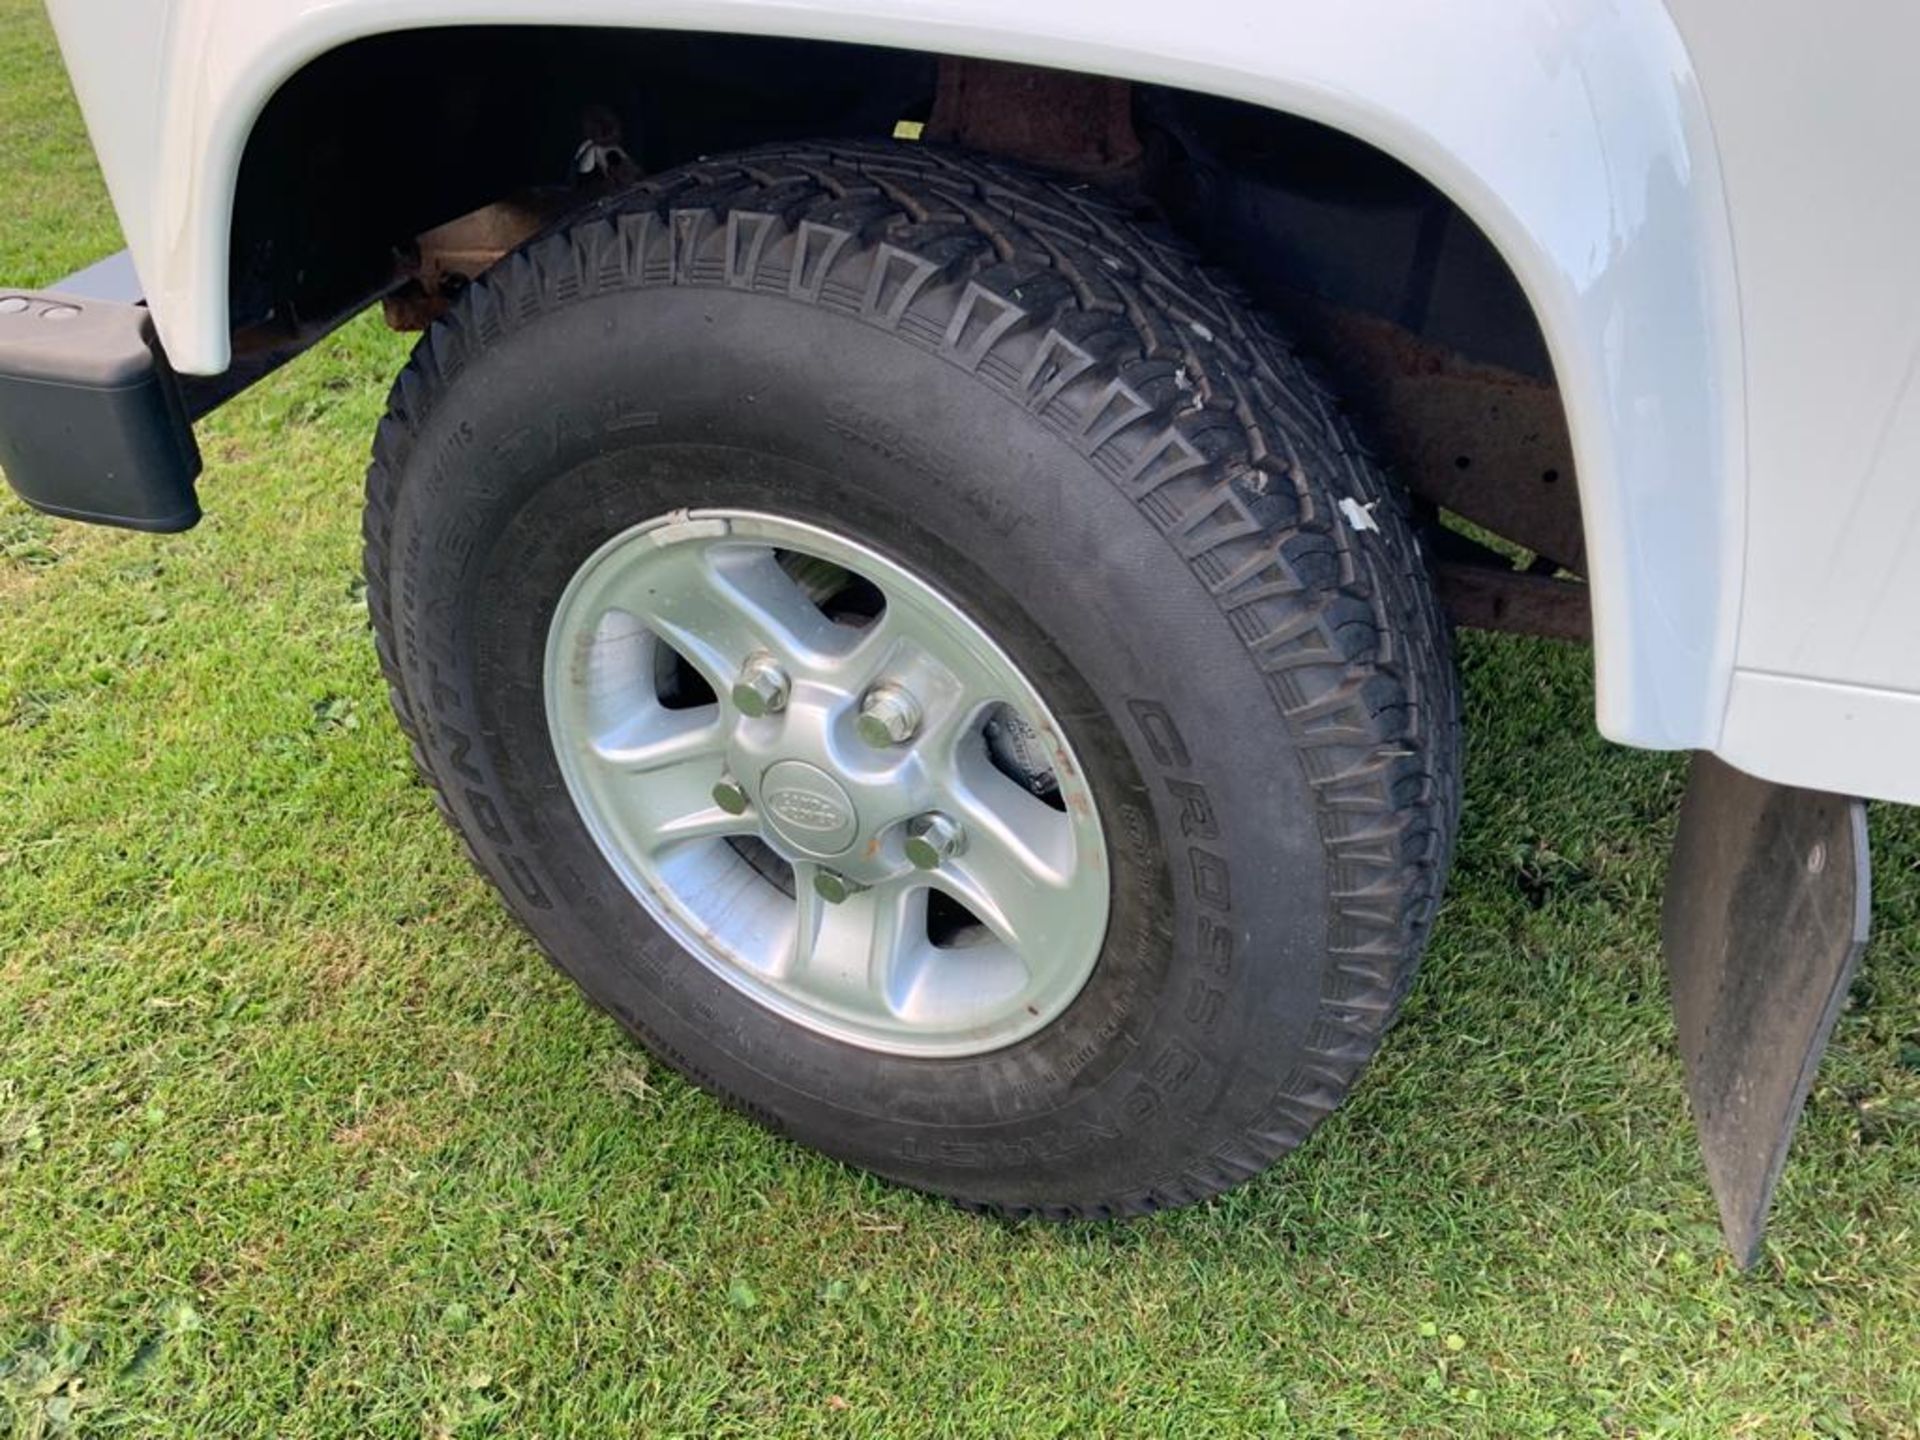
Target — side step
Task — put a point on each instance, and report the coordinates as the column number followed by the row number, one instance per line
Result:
column 92, row 425
column 1765, row 919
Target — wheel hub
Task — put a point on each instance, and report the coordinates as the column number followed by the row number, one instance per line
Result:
column 724, row 680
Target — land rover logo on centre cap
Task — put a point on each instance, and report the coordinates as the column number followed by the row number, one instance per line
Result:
column 807, row 810
column 808, row 807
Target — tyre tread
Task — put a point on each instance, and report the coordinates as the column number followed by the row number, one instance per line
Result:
column 1165, row 377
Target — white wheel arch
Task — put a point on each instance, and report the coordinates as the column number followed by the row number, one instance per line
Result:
column 1571, row 131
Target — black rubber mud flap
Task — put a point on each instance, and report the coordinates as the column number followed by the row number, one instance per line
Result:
column 1765, row 919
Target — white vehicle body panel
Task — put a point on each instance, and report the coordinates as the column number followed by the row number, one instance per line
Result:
column 1813, row 112
column 1731, row 335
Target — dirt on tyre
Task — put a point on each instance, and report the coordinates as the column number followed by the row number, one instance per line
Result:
column 927, row 657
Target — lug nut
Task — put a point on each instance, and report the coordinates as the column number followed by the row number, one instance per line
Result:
column 888, row 716
column 833, row 887
column 730, row 797
column 934, row 838
column 762, row 687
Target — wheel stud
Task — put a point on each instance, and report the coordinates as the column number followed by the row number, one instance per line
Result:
column 730, row 797
column 888, row 716
column 762, row 687
column 833, row 887
column 933, row 838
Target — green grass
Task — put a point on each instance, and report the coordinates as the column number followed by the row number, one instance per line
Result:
column 299, row 1136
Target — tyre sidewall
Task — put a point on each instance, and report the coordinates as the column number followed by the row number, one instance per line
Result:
column 611, row 412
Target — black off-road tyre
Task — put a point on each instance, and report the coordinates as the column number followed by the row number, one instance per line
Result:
column 1111, row 461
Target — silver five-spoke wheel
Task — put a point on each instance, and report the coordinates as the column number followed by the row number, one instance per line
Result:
column 827, row 782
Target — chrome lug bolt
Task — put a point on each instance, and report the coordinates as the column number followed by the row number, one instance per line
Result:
column 933, row 838
column 762, row 687
column 888, row 716
column 833, row 887
column 730, row 797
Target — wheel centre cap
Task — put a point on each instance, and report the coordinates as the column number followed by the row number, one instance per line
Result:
column 808, row 808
